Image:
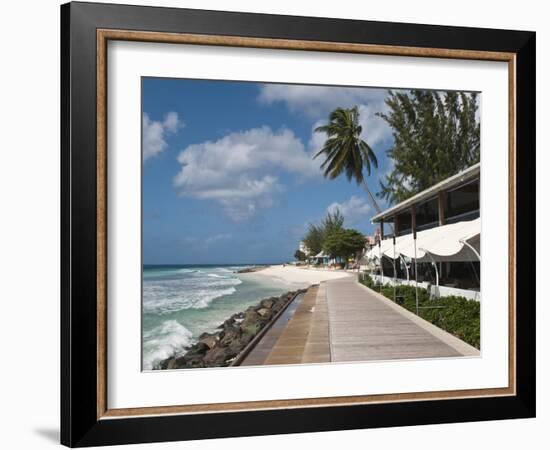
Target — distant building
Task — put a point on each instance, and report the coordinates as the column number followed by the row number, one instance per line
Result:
column 440, row 229
column 370, row 241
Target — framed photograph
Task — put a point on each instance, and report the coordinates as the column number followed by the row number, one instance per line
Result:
column 273, row 224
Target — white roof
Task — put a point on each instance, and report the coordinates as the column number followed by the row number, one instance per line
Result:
column 321, row 254
column 444, row 243
column 466, row 174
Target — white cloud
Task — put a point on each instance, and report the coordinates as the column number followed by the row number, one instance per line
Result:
column 376, row 130
column 216, row 238
column 154, row 133
column 317, row 139
column 243, row 200
column 239, row 171
column 354, row 210
column 318, row 101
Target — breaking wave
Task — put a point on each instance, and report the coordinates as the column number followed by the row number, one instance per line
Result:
column 163, row 341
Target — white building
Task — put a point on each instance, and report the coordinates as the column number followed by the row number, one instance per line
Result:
column 438, row 232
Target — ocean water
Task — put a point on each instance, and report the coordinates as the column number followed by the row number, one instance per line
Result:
column 181, row 302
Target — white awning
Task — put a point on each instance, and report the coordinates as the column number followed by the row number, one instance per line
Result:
column 444, row 243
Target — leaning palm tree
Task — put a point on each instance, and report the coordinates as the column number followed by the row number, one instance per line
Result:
column 345, row 151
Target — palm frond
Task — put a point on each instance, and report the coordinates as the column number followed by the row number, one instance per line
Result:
column 344, row 150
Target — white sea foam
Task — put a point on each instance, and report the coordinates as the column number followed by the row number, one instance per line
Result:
column 194, row 290
column 215, row 275
column 196, row 299
column 163, row 341
column 179, row 303
column 188, row 271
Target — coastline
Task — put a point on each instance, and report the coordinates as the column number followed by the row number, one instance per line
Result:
column 182, row 302
column 297, row 276
column 251, row 269
column 172, row 333
column 221, row 347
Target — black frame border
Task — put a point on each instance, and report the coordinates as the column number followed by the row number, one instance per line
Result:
column 79, row 423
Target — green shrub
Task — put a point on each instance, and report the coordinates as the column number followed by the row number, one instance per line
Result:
column 367, row 280
column 459, row 316
column 456, row 315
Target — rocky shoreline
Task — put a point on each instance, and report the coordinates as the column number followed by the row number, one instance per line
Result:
column 220, row 348
column 251, row 269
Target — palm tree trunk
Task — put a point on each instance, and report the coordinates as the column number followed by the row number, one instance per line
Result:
column 373, row 201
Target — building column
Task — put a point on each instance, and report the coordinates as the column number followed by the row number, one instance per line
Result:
column 441, row 207
column 395, row 225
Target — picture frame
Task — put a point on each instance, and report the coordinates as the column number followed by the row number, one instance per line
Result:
column 86, row 28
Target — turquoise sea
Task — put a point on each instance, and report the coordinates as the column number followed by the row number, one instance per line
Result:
column 180, row 302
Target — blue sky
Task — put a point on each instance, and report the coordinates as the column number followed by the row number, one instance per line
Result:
column 228, row 174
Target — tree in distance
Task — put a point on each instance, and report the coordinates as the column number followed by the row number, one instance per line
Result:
column 344, row 243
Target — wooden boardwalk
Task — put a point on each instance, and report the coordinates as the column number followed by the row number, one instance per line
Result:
column 341, row 320
column 364, row 327
column 317, row 348
column 261, row 351
column 305, row 338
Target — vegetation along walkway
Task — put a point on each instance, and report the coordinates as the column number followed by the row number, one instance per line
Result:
column 342, row 320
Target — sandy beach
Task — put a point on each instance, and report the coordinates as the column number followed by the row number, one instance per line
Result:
column 299, row 276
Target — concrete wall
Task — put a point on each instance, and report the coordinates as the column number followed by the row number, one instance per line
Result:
column 436, row 291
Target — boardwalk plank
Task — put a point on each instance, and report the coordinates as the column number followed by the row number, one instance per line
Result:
column 363, row 328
